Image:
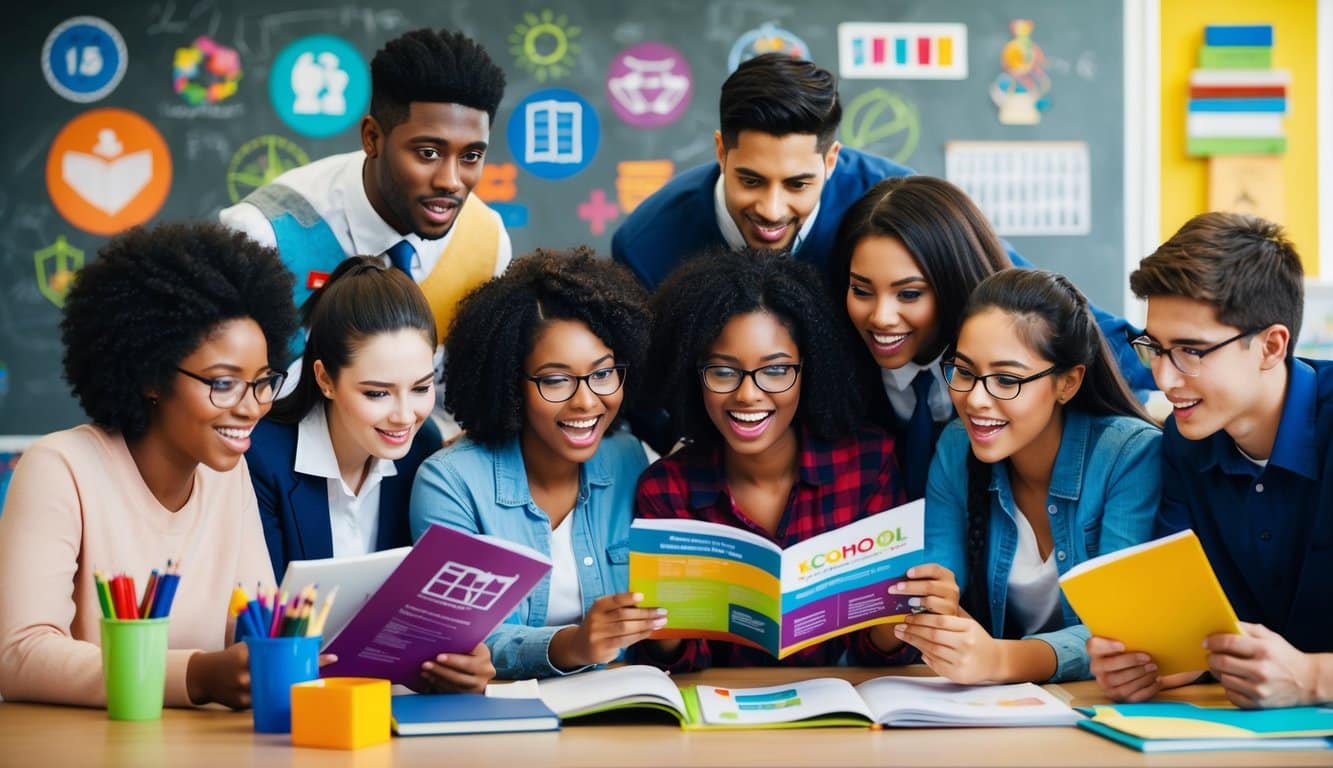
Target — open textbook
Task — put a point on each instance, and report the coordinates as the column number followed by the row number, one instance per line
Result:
column 896, row 701
column 445, row 595
column 724, row 583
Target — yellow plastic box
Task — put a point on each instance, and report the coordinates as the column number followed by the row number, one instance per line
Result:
column 340, row 713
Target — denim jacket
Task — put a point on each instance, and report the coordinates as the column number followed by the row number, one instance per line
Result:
column 1104, row 491
column 478, row 489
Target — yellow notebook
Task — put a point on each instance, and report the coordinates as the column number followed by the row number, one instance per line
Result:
column 1160, row 597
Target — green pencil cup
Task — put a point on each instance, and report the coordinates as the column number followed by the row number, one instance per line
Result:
column 134, row 666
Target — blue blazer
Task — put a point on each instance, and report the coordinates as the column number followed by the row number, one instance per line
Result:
column 294, row 507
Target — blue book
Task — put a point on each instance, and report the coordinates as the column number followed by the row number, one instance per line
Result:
column 1166, row 726
column 1238, row 34
column 450, row 713
column 1238, row 105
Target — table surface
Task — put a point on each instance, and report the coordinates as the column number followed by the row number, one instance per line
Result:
column 47, row 736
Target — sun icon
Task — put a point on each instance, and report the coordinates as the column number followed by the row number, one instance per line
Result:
column 544, row 44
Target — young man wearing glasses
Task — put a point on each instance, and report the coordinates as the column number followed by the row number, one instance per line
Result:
column 1248, row 463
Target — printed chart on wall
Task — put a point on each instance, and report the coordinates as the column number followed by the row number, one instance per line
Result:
column 138, row 113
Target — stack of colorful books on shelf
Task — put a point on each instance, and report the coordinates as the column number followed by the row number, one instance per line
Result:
column 1237, row 100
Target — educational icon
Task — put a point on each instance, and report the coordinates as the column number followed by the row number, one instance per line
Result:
column 205, row 72
column 108, row 170
column 463, row 586
column 545, row 44
column 649, row 85
column 768, row 38
column 884, row 122
column 498, row 184
column 56, row 265
column 597, row 211
column 320, row 85
column 84, row 58
column 902, row 51
column 554, row 133
column 1020, row 90
column 637, row 179
column 260, row 161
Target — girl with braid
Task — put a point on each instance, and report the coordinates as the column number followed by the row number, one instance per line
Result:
column 1052, row 462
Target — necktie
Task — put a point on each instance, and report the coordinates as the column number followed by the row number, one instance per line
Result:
column 916, row 443
column 401, row 255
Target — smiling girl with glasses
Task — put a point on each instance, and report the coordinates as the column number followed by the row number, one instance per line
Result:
column 541, row 362
column 1051, row 462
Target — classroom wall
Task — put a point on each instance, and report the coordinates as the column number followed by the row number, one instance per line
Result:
column 1184, row 180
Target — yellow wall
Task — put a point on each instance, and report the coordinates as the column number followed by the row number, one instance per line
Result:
column 1185, row 179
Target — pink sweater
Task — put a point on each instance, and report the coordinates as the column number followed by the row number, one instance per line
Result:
column 77, row 504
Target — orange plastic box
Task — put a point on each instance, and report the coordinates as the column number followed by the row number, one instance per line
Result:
column 340, row 713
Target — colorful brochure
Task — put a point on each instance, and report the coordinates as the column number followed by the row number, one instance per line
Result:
column 723, row 583
column 1167, row 726
column 893, row 700
column 450, row 592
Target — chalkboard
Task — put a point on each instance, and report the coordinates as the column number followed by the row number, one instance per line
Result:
column 199, row 74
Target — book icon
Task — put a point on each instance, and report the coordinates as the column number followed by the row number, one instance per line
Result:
column 463, row 586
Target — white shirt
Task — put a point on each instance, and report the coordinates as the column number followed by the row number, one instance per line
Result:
column 354, row 518
column 1034, row 584
column 732, row 233
column 565, row 605
column 898, row 387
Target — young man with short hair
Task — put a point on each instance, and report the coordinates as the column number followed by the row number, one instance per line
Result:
column 1247, row 459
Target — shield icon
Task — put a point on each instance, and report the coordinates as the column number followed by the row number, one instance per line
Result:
column 56, row 265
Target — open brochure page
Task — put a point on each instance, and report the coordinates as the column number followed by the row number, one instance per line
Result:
column 357, row 578
column 928, row 701
column 715, row 581
column 779, row 703
column 838, row 582
column 603, row 689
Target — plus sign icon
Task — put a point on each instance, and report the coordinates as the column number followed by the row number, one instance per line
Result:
column 597, row 211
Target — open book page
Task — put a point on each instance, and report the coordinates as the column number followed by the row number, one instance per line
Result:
column 838, row 581
column 792, row 702
column 357, row 578
column 715, row 581
column 603, row 689
column 929, row 701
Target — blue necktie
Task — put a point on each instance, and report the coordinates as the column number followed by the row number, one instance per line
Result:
column 401, row 255
column 916, row 443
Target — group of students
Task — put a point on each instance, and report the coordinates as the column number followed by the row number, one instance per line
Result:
column 889, row 350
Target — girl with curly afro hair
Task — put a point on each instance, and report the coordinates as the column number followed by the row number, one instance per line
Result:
column 171, row 342
column 542, row 362
column 748, row 358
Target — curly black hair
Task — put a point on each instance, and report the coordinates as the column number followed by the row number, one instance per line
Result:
column 498, row 322
column 150, row 299
column 441, row 67
column 697, row 300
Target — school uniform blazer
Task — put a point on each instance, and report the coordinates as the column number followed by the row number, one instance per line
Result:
column 294, row 507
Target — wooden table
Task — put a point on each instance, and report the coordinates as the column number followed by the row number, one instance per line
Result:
column 50, row 736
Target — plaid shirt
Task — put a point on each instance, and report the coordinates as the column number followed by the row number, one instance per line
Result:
column 839, row 482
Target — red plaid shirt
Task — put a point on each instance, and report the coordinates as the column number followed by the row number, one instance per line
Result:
column 839, row 483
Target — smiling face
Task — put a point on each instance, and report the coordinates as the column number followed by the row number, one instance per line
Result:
column 185, row 423
column 990, row 342
column 771, row 184
column 419, row 174
column 889, row 302
column 749, row 419
column 1229, row 384
column 570, row 430
column 381, row 397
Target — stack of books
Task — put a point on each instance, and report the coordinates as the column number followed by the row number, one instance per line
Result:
column 1237, row 100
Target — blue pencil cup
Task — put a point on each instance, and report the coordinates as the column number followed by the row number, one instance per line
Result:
column 276, row 664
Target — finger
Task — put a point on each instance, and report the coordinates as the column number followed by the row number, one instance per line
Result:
column 326, row 659
column 623, row 599
column 1221, row 663
column 930, row 571
column 924, row 639
column 1240, row 685
column 935, row 604
column 642, row 626
column 1242, row 646
column 1123, row 661
column 1132, row 678
column 461, row 662
column 457, row 676
column 1142, row 694
column 1104, row 646
column 636, row 614
column 942, row 622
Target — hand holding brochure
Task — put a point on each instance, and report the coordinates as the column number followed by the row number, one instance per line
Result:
column 819, row 702
column 450, row 592
column 725, row 583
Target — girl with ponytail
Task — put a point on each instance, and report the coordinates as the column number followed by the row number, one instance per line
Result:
column 1052, row 462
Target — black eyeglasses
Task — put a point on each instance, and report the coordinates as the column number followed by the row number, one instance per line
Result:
column 1001, row 386
column 227, row 391
column 559, row 387
column 773, row 379
column 1187, row 360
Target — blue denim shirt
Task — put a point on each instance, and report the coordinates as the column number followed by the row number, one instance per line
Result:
column 477, row 489
column 1103, row 496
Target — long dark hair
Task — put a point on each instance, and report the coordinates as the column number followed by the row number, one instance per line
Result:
column 362, row 298
column 1053, row 319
